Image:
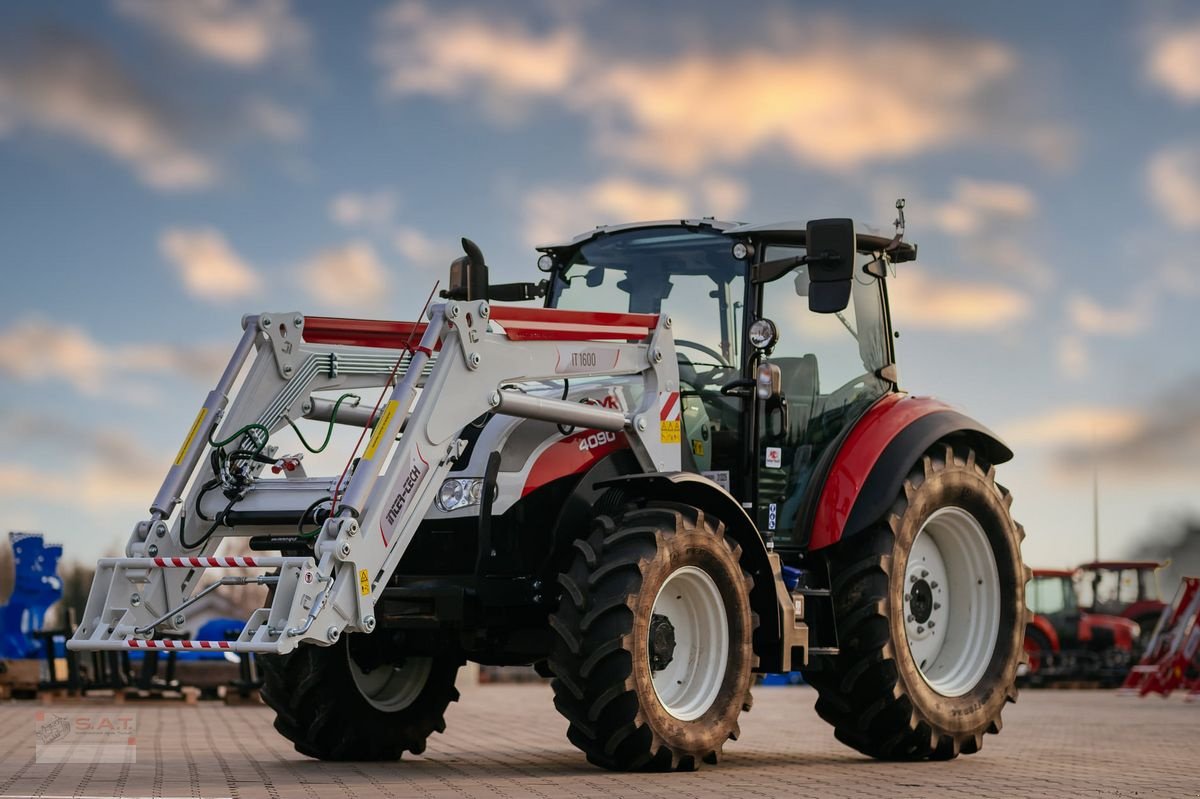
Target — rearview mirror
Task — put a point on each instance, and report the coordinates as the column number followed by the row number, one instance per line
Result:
column 831, row 246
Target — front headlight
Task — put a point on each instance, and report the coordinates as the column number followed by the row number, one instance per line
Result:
column 460, row 492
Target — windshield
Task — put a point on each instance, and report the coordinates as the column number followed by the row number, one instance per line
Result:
column 689, row 274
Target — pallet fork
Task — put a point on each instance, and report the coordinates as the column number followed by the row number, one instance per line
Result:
column 1172, row 657
column 472, row 359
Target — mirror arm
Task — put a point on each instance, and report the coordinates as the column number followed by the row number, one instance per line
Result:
column 773, row 270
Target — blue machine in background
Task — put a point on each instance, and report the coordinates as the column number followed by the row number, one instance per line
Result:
column 37, row 586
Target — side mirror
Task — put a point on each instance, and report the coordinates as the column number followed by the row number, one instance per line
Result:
column 831, row 246
column 468, row 275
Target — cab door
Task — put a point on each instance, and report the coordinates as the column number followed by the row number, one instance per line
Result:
column 830, row 367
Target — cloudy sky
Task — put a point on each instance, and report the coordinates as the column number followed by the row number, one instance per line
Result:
column 166, row 167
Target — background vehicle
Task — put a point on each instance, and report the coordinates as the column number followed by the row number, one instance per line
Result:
column 1063, row 641
column 609, row 487
column 1126, row 588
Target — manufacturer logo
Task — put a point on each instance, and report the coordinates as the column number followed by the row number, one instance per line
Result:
column 411, row 480
column 774, row 457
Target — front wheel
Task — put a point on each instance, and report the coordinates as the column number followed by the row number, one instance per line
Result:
column 930, row 609
column 652, row 653
column 356, row 700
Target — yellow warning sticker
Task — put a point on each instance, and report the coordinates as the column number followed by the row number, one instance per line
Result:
column 670, row 432
column 388, row 412
column 187, row 442
column 364, row 582
column 697, row 447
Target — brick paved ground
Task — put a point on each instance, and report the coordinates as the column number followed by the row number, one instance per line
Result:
column 507, row 741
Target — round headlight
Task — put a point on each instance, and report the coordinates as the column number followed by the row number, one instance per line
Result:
column 742, row 250
column 545, row 262
column 763, row 334
column 475, row 492
column 451, row 495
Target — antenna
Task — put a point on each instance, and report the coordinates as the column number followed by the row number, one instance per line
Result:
column 899, row 225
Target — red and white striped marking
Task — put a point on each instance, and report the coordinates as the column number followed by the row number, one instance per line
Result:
column 212, row 563
column 550, row 324
column 167, row 643
column 668, row 406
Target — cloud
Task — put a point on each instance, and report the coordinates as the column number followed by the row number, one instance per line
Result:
column 208, row 266
column 1074, row 424
column 36, row 350
column 1173, row 180
column 1173, row 61
column 231, row 33
column 273, row 120
column 850, row 96
column 1073, row 358
column 349, row 276
column 363, row 209
column 554, row 213
column 976, row 205
column 1090, row 317
column 420, row 250
column 920, row 301
column 69, row 86
column 420, row 52
column 1159, row 442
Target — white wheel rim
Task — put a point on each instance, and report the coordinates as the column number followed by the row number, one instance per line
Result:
column 390, row 688
column 951, row 601
column 688, row 684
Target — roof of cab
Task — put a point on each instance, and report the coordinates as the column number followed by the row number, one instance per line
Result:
column 791, row 232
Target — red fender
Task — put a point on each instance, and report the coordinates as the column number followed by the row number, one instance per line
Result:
column 866, row 443
column 1122, row 629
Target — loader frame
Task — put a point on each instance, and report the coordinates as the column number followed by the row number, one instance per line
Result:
column 470, row 359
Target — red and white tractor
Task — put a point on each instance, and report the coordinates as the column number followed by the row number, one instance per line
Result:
column 693, row 464
column 1126, row 588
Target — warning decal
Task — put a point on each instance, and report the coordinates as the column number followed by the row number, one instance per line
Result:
column 669, row 425
column 380, row 426
column 364, row 582
column 187, row 442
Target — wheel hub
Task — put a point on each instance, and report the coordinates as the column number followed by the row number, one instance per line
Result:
column 921, row 601
column 662, row 642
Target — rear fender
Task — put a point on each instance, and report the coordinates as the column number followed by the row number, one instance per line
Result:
column 868, row 470
column 767, row 598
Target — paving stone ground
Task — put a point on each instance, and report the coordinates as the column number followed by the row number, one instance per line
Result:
column 507, row 741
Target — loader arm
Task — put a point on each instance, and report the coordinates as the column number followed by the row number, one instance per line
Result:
column 470, row 359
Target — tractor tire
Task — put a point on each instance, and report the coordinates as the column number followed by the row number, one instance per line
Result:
column 652, row 651
column 1038, row 652
column 331, row 709
column 930, row 609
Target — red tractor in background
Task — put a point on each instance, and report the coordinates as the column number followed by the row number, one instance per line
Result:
column 1063, row 641
column 1126, row 588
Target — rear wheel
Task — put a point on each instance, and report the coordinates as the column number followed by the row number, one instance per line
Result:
column 652, row 654
column 346, row 702
column 930, row 615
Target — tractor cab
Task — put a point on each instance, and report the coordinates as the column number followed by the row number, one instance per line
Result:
column 777, row 344
column 1129, row 589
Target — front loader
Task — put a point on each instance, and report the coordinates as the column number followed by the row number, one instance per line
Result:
column 693, row 464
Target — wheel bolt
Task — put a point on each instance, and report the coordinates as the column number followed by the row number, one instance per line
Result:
column 910, row 618
column 912, row 578
column 920, row 629
column 908, row 597
column 933, row 584
column 931, row 625
column 937, row 605
column 924, row 574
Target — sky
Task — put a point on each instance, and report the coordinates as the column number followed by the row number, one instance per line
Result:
column 166, row 167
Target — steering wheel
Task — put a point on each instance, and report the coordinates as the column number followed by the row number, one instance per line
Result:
column 683, row 342
column 711, row 376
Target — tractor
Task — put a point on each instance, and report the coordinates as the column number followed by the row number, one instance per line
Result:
column 1065, row 641
column 692, row 464
column 1125, row 588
